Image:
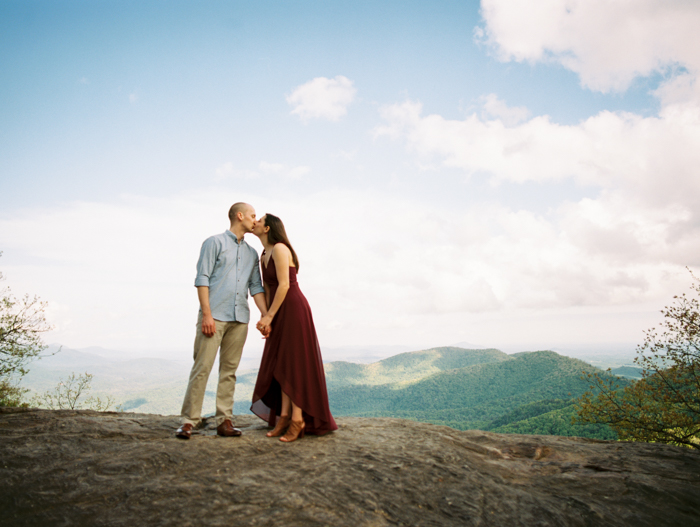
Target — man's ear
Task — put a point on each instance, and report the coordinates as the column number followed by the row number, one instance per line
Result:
column 239, row 215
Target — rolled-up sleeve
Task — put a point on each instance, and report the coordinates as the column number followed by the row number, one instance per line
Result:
column 255, row 283
column 205, row 264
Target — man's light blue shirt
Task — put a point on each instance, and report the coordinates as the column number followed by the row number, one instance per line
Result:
column 230, row 269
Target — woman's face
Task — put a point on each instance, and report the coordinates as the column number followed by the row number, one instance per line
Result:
column 259, row 227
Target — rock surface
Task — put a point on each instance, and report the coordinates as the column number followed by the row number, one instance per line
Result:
column 90, row 468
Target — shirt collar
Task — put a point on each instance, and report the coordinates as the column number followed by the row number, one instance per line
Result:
column 234, row 237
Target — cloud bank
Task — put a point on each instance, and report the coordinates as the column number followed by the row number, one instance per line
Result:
column 121, row 274
column 607, row 43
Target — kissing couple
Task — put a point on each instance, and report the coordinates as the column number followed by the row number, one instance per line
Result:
column 290, row 392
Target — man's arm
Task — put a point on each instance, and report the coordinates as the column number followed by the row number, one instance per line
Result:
column 257, row 290
column 205, row 266
column 208, row 324
column 261, row 302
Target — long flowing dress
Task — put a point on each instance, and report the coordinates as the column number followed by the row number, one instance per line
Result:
column 292, row 361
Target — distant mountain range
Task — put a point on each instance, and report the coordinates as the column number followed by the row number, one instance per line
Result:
column 529, row 392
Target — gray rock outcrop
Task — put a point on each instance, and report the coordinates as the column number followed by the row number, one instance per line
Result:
column 90, row 468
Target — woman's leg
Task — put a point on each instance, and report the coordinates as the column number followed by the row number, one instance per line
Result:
column 286, row 405
column 296, row 425
column 283, row 421
column 296, row 412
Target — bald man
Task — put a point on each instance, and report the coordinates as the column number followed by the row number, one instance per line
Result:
column 228, row 268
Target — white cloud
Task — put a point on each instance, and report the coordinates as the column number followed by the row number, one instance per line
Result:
column 609, row 250
column 655, row 159
column 607, row 43
column 322, row 98
column 509, row 115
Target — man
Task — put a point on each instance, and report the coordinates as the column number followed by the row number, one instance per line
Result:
column 227, row 269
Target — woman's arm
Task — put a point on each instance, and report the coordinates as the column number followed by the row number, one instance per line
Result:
column 282, row 257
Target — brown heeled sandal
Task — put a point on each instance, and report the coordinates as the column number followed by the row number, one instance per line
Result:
column 294, row 432
column 280, row 427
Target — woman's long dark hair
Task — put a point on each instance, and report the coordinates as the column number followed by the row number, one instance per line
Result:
column 277, row 234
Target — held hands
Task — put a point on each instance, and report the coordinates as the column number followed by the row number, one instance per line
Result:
column 264, row 326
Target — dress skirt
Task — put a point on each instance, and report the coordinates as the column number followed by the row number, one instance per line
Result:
column 291, row 361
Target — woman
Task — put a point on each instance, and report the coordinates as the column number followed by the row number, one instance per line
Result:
column 290, row 392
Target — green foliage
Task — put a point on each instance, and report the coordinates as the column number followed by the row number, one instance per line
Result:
column 664, row 406
column 527, row 411
column 21, row 323
column 525, row 377
column 554, row 422
column 71, row 395
column 492, row 390
column 11, row 394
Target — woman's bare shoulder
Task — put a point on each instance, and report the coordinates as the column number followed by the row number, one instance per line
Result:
column 282, row 255
column 281, row 249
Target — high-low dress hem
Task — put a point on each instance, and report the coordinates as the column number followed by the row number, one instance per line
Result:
column 291, row 361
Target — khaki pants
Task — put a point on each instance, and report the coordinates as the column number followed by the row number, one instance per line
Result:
column 230, row 336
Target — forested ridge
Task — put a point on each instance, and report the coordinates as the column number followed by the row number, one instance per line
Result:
column 527, row 393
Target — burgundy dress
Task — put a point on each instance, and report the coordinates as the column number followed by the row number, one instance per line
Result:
column 292, row 361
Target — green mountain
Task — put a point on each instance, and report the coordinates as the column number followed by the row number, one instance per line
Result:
column 480, row 389
column 406, row 368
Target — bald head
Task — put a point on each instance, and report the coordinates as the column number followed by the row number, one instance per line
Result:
column 236, row 208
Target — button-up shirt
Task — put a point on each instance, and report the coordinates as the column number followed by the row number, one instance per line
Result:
column 230, row 269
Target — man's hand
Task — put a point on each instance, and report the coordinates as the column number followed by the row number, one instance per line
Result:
column 208, row 325
column 265, row 332
column 264, row 326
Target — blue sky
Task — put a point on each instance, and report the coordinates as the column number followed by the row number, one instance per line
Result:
column 447, row 169
column 207, row 80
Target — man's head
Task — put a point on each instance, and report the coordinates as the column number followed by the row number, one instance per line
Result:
column 242, row 216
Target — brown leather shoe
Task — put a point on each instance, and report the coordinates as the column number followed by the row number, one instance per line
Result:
column 184, row 432
column 281, row 427
column 294, row 432
column 226, row 429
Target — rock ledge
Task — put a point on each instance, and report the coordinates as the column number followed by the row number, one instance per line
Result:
column 90, row 468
